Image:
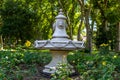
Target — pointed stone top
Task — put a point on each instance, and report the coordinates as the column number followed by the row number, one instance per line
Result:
column 60, row 15
column 61, row 12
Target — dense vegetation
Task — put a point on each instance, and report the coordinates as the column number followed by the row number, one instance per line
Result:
column 20, row 64
column 98, row 20
column 26, row 64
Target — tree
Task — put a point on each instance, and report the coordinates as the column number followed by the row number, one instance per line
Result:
column 1, row 40
column 18, row 21
column 106, row 19
column 118, row 37
column 85, row 18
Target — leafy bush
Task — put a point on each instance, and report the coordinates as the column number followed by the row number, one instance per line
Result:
column 36, row 57
column 96, row 66
column 11, row 62
column 104, row 49
column 62, row 72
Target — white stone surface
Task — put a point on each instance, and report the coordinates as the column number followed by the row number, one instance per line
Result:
column 57, row 57
column 59, row 45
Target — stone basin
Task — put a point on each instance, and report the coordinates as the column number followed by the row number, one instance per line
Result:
column 59, row 45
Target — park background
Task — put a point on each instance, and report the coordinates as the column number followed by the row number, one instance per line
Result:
column 96, row 22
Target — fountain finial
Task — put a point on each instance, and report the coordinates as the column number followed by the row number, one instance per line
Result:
column 61, row 12
column 60, row 15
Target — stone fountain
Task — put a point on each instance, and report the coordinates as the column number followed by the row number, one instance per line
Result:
column 60, row 44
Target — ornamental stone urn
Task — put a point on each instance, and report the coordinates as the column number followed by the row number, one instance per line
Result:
column 60, row 44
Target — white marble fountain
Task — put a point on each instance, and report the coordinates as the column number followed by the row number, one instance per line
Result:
column 60, row 44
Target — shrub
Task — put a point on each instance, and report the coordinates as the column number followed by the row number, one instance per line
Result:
column 96, row 66
column 62, row 72
column 11, row 62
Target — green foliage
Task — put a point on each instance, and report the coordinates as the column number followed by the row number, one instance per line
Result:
column 104, row 49
column 62, row 72
column 74, row 57
column 19, row 64
column 39, row 58
column 106, row 19
column 25, row 18
column 28, row 20
column 96, row 66
column 101, row 37
column 18, row 21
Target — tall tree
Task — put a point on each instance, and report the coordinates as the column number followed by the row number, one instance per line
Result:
column 81, row 3
column 17, row 21
column 1, row 39
column 118, row 37
column 85, row 8
column 107, row 17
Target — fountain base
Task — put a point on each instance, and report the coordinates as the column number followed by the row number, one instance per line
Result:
column 58, row 56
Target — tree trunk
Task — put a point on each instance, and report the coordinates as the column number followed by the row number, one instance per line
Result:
column 85, row 12
column 118, row 38
column 1, row 43
column 92, row 26
column 81, row 3
column 88, row 31
column 80, row 25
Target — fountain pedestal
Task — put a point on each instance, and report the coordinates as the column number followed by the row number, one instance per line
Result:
column 57, row 57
